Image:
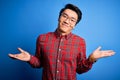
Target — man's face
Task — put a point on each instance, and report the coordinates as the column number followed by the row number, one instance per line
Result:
column 67, row 21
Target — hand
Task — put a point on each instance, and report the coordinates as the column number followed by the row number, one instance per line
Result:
column 23, row 55
column 97, row 54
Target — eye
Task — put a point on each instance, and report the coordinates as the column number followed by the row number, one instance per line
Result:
column 64, row 15
column 72, row 20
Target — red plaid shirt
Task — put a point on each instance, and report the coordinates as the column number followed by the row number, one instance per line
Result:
column 60, row 56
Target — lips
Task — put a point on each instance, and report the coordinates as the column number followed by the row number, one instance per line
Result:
column 65, row 25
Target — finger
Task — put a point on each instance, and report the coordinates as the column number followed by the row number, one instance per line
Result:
column 21, row 50
column 15, row 56
column 111, row 54
column 108, row 51
column 11, row 55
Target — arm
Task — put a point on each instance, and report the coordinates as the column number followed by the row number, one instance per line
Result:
column 35, row 61
column 83, row 64
column 86, row 64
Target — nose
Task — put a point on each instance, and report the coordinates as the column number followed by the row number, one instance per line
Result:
column 66, row 20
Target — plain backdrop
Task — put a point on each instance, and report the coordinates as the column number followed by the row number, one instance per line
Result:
column 22, row 21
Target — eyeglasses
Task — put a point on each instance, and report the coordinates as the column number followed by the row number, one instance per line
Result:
column 72, row 20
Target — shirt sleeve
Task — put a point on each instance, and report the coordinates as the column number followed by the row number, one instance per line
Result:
column 83, row 64
column 35, row 60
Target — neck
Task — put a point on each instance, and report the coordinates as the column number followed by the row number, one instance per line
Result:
column 62, row 33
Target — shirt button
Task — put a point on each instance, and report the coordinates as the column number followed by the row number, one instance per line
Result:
column 57, row 71
column 59, row 49
column 58, row 60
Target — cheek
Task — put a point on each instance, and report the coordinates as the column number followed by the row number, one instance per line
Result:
column 60, row 21
column 72, row 26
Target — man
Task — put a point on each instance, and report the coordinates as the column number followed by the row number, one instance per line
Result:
column 62, row 53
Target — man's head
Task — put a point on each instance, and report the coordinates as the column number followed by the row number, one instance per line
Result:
column 69, row 16
column 73, row 8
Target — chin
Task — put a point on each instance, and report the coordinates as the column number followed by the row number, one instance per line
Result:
column 63, row 31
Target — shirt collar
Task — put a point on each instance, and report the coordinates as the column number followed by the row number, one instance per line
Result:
column 57, row 34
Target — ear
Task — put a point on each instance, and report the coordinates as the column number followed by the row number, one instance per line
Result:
column 58, row 18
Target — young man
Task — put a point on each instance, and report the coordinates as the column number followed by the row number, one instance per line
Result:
column 62, row 53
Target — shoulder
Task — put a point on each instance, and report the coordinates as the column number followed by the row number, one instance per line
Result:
column 78, row 37
column 80, row 40
column 45, row 35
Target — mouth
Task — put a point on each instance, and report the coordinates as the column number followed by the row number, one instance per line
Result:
column 65, row 25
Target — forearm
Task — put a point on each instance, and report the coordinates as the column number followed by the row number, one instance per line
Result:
column 84, row 66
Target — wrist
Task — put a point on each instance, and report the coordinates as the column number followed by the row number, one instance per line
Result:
column 92, row 59
column 29, row 58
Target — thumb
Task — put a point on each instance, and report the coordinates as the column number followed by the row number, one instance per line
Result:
column 21, row 50
column 98, row 48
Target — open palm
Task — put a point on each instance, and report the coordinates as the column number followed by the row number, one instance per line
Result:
column 23, row 55
column 97, row 54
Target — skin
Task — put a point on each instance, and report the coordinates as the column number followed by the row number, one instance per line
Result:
column 65, row 26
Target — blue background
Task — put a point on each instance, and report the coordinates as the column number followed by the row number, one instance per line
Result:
column 21, row 21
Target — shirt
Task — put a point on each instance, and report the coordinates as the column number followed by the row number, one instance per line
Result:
column 60, row 56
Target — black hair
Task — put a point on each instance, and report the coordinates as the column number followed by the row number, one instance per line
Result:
column 74, row 8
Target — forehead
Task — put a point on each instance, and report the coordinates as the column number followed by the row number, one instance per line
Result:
column 71, row 13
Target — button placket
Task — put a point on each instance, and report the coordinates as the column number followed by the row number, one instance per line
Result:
column 57, row 71
column 59, row 49
column 58, row 60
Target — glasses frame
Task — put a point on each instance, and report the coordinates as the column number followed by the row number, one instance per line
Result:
column 72, row 20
